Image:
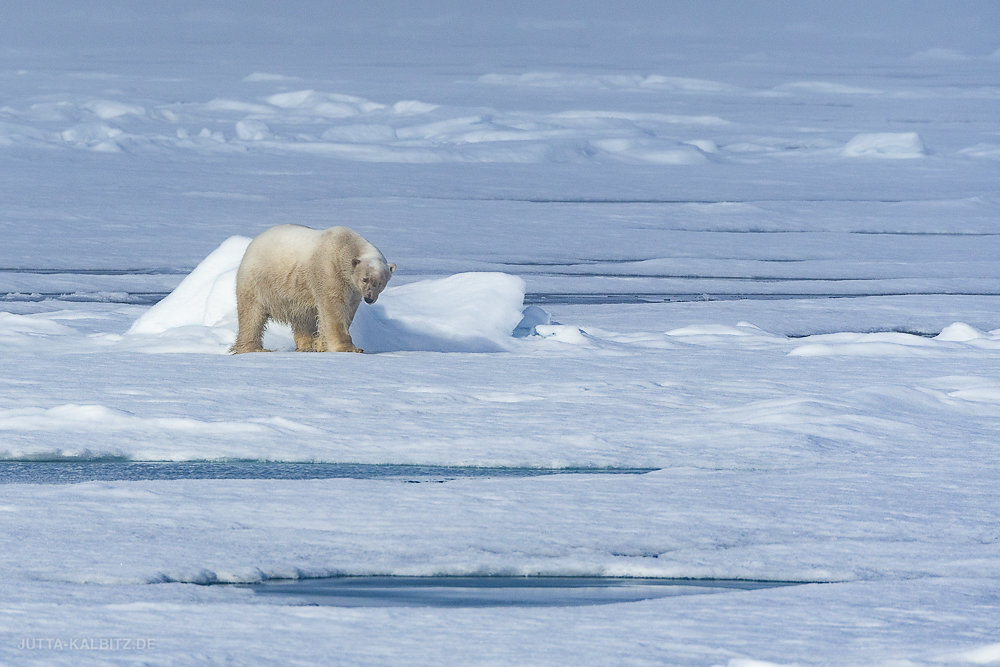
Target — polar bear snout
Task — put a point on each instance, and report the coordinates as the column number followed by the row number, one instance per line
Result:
column 371, row 277
column 370, row 289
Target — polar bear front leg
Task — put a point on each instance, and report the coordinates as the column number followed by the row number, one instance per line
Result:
column 305, row 331
column 334, row 324
column 304, row 342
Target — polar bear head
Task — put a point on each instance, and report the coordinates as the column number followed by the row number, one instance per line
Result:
column 371, row 275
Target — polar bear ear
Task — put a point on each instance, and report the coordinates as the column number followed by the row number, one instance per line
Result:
column 392, row 268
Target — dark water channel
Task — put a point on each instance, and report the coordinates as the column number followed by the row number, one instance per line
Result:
column 73, row 472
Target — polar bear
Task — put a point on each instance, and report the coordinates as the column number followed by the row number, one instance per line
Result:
column 310, row 279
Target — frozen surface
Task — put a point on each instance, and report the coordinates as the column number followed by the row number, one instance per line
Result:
column 753, row 247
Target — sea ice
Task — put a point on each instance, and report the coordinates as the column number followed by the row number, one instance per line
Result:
column 659, row 175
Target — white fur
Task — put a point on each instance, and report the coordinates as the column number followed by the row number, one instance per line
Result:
column 312, row 280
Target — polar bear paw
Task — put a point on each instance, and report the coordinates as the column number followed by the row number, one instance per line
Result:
column 319, row 345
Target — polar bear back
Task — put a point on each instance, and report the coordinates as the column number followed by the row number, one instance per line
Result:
column 284, row 245
column 291, row 238
column 289, row 249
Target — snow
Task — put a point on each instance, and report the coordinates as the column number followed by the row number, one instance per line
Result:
column 753, row 251
column 466, row 312
column 894, row 145
column 206, row 297
column 978, row 656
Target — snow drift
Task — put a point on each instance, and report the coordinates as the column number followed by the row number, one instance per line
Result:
column 892, row 145
column 466, row 312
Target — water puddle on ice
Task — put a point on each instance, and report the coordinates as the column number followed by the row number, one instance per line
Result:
column 72, row 472
column 386, row 591
column 639, row 298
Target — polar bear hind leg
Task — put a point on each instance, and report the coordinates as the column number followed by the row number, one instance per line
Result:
column 252, row 320
column 334, row 325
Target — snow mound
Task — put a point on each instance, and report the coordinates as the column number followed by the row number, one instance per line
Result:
column 959, row 332
column 205, row 298
column 982, row 655
column 329, row 105
column 466, row 312
column 893, row 145
column 93, row 136
column 25, row 331
column 955, row 336
column 741, row 329
column 863, row 344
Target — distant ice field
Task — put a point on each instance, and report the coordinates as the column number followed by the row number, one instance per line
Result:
column 685, row 291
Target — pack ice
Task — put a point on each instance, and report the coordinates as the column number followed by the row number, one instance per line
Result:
column 774, row 227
